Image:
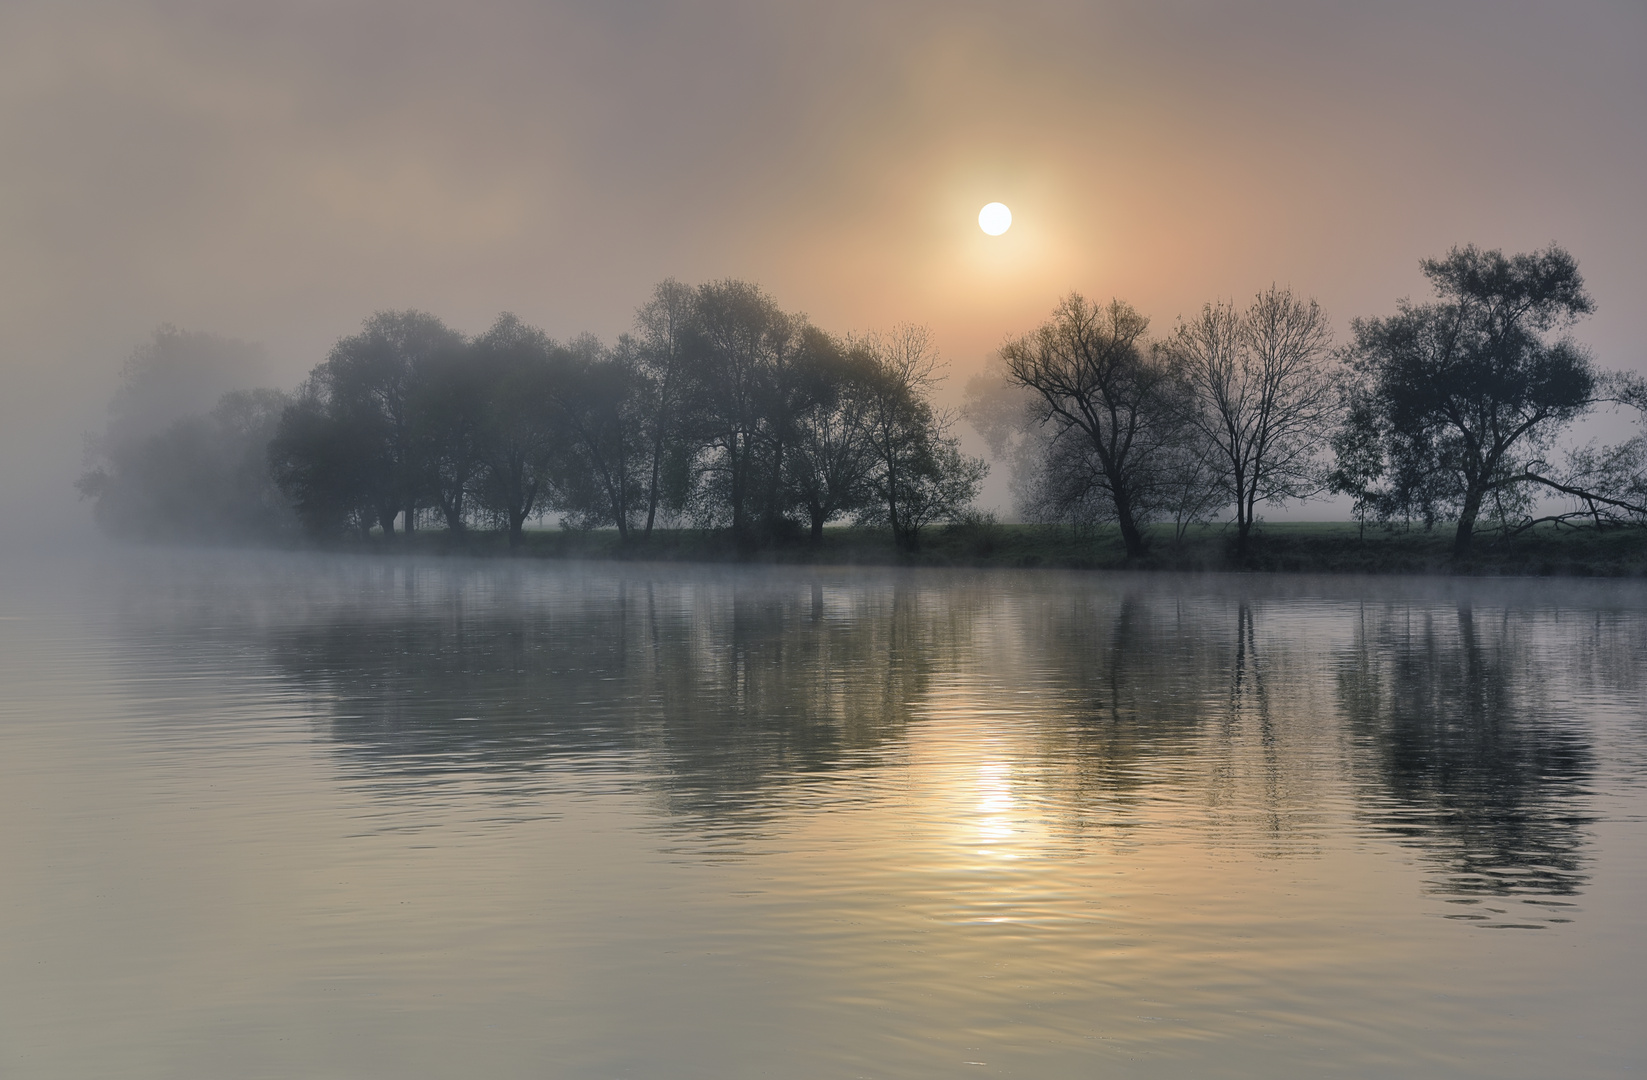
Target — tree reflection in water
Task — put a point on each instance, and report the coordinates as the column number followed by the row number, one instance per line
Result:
column 1224, row 707
column 1464, row 754
column 719, row 692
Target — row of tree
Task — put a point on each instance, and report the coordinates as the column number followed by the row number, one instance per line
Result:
column 722, row 410
column 719, row 410
column 1446, row 410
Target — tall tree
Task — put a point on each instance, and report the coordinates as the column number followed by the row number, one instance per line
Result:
column 1452, row 399
column 660, row 356
column 601, row 412
column 1261, row 396
column 1099, row 385
column 449, row 416
column 743, row 351
column 369, row 382
column 918, row 474
column 521, row 445
column 831, row 458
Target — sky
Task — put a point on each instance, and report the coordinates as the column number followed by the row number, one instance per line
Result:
column 275, row 172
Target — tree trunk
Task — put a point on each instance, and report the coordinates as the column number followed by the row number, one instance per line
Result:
column 386, row 518
column 411, row 518
column 652, row 488
column 1466, row 523
column 817, row 524
column 517, row 533
column 1131, row 535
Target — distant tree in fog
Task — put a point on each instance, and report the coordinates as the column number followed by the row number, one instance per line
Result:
column 721, row 407
column 181, row 458
column 743, row 348
column 363, row 402
column 178, row 373
column 521, row 447
column 600, row 411
column 202, row 477
column 659, row 354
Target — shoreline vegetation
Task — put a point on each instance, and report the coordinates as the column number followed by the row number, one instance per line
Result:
column 1317, row 547
column 724, row 428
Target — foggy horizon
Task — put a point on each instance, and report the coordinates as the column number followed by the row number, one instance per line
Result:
column 276, row 175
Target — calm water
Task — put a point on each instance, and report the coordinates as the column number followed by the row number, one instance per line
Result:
column 272, row 816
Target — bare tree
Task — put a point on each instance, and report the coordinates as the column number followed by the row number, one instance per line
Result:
column 1101, row 387
column 919, row 474
column 1261, row 396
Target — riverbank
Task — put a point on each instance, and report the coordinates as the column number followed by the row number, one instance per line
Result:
column 1295, row 547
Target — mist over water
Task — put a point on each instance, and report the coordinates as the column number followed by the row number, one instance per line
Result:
column 280, row 815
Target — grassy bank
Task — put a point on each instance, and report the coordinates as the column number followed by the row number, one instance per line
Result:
column 1300, row 547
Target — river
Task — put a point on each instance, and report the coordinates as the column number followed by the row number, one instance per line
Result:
column 279, row 815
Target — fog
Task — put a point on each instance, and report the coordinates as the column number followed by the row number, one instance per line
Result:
column 275, row 173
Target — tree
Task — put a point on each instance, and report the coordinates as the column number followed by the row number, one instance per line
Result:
column 830, row 462
column 1100, row 387
column 325, row 466
column 660, row 355
column 743, row 349
column 1451, row 400
column 918, row 474
column 449, row 418
column 1260, row 396
column 369, row 382
column 203, row 478
column 521, row 447
column 603, row 478
column 183, row 455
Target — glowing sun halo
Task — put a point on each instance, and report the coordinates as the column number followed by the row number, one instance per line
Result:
column 995, row 219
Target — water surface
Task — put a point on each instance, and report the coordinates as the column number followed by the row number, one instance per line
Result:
column 272, row 815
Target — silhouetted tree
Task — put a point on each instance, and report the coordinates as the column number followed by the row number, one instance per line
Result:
column 918, row 474
column 744, row 347
column 832, row 456
column 659, row 353
column 324, row 466
column 602, row 413
column 369, row 382
column 1451, row 400
column 1106, row 398
column 521, row 448
column 450, row 413
column 1260, row 397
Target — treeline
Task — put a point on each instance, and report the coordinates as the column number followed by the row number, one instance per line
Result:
column 719, row 410
column 1445, row 411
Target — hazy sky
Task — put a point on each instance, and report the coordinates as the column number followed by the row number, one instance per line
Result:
column 277, row 171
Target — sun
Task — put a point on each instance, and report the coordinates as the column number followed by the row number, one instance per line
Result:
column 995, row 219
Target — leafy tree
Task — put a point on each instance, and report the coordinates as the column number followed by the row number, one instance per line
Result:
column 831, row 457
column 369, row 382
column 522, row 448
column 204, row 477
column 602, row 413
column 450, row 413
column 743, row 351
column 1450, row 401
column 660, row 357
column 183, row 454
